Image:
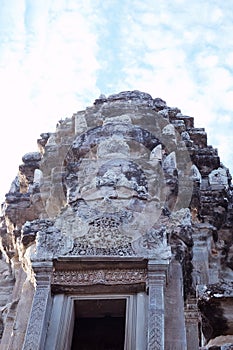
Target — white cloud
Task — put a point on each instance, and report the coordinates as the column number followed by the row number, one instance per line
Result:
column 185, row 53
column 48, row 71
column 216, row 15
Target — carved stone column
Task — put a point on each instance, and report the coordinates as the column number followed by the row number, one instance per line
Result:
column 156, row 282
column 191, row 320
column 38, row 321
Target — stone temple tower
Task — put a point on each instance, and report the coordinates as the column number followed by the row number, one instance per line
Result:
column 118, row 235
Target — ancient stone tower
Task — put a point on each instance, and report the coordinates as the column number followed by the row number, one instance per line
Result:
column 118, row 234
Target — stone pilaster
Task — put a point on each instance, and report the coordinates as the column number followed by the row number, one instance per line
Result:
column 38, row 321
column 191, row 321
column 175, row 331
column 156, row 282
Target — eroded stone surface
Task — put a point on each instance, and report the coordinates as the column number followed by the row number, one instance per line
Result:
column 127, row 177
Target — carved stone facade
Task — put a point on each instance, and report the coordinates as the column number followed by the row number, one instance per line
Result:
column 125, row 200
column 102, row 276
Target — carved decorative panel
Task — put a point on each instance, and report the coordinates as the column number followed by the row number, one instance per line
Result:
column 102, row 276
column 37, row 325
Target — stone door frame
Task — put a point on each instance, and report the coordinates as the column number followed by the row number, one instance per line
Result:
column 60, row 332
column 62, row 281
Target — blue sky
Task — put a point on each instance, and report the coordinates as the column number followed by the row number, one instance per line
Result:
column 57, row 56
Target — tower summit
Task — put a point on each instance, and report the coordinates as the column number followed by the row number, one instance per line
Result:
column 117, row 234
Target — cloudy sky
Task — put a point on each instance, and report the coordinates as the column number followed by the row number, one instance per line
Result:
column 57, row 56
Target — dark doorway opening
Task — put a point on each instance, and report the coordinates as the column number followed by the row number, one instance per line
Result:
column 99, row 324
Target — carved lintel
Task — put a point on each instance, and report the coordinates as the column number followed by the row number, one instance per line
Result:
column 99, row 276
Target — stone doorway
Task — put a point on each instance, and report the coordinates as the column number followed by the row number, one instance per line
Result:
column 99, row 324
